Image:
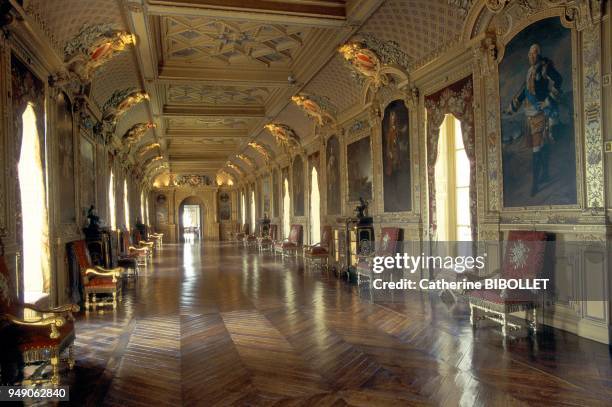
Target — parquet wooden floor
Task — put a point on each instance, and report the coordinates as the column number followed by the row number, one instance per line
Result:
column 216, row 325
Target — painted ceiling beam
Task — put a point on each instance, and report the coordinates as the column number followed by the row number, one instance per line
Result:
column 330, row 13
column 213, row 110
column 236, row 76
column 224, row 132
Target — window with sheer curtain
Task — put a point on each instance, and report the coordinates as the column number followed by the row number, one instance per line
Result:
column 253, row 220
column 126, row 205
column 112, row 209
column 142, row 208
column 242, row 208
column 35, row 221
column 286, row 209
column 315, row 211
column 452, row 184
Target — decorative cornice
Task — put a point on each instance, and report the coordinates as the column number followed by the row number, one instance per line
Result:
column 318, row 107
column 261, row 149
column 284, row 135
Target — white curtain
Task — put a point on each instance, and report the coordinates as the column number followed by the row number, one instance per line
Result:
column 36, row 255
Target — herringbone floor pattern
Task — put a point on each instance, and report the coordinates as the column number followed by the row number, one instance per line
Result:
column 219, row 326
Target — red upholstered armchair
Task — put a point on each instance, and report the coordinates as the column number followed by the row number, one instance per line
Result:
column 292, row 244
column 319, row 252
column 523, row 259
column 41, row 339
column 97, row 280
column 389, row 238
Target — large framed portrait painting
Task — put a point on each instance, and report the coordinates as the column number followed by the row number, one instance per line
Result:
column 396, row 158
column 332, row 164
column 359, row 164
column 537, row 121
column 298, row 186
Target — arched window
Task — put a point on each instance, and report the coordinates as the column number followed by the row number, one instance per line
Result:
column 36, row 257
column 147, row 210
column 242, row 208
column 452, row 184
column 111, row 201
column 253, row 220
column 126, row 205
column 286, row 209
column 142, row 208
column 315, row 208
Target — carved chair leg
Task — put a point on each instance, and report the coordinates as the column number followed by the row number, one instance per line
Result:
column 504, row 323
column 55, row 367
column 71, row 360
column 94, row 300
column 87, row 303
column 534, row 323
column 115, row 300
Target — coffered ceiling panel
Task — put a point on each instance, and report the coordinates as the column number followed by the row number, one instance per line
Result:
column 218, row 95
column 65, row 18
column 418, row 26
column 206, row 40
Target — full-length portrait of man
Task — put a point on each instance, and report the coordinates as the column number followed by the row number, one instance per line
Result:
column 539, row 95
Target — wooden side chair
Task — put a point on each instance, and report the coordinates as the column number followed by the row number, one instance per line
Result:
column 131, row 258
column 292, row 244
column 150, row 245
column 37, row 340
column 97, row 280
column 389, row 240
column 523, row 259
column 319, row 252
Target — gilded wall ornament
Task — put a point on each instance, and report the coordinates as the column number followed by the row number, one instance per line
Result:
column 245, row 159
column 135, row 133
column 120, row 102
column 191, row 180
column 146, row 148
column 92, row 47
column 261, row 150
column 234, row 167
column 284, row 135
column 318, row 107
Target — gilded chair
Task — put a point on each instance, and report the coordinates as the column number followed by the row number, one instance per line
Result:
column 266, row 243
column 251, row 239
column 97, row 280
column 319, row 252
column 523, row 259
column 144, row 243
column 388, row 246
column 33, row 340
column 292, row 244
column 131, row 258
column 158, row 238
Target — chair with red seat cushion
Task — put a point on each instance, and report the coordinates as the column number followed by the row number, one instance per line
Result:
column 96, row 280
column 291, row 244
column 131, row 256
column 319, row 252
column 523, row 259
column 33, row 340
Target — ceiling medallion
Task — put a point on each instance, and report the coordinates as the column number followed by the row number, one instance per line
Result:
column 318, row 107
column 369, row 56
column 283, row 134
column 94, row 46
column 120, row 102
column 245, row 159
column 261, row 150
column 135, row 133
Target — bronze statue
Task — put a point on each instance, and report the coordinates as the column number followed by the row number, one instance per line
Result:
column 362, row 208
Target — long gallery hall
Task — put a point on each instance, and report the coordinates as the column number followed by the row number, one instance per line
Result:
column 306, row 202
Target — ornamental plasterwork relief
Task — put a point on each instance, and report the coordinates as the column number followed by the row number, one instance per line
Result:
column 120, row 102
column 190, row 180
column 261, row 149
column 369, row 57
column 245, row 159
column 284, row 135
column 319, row 108
column 92, row 47
column 135, row 133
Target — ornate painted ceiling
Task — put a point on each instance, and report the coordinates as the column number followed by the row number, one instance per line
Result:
column 217, row 71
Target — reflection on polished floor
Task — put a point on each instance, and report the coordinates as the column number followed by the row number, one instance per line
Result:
column 216, row 325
